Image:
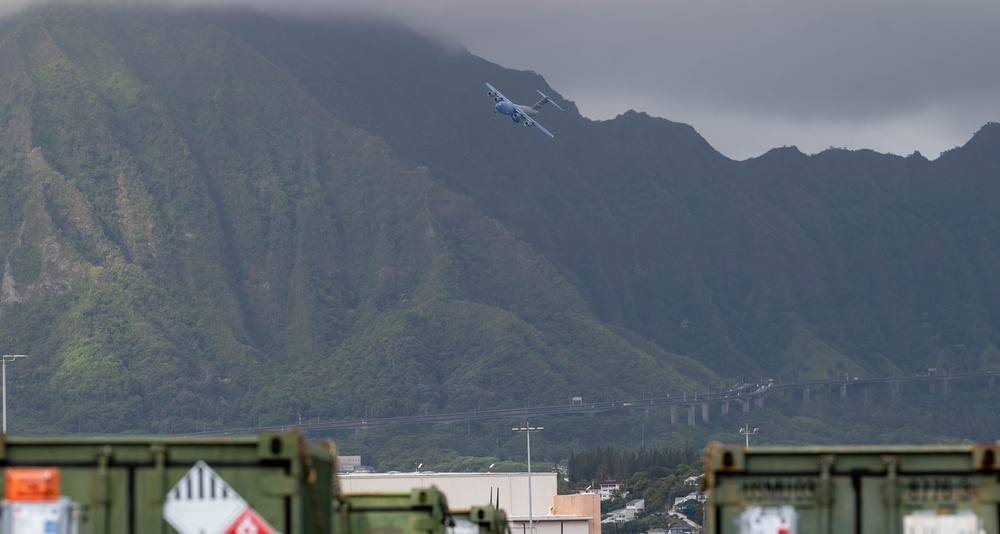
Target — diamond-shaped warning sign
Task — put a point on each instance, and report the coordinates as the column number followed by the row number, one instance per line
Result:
column 202, row 503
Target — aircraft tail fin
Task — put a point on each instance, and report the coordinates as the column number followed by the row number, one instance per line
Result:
column 545, row 100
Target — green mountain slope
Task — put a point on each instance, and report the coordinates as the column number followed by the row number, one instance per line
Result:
column 887, row 262
column 190, row 240
column 216, row 219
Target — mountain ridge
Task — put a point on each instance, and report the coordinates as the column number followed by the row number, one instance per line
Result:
column 221, row 218
column 229, row 231
column 671, row 185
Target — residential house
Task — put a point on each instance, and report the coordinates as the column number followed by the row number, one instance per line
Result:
column 609, row 488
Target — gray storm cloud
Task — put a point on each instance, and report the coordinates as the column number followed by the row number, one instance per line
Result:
column 891, row 75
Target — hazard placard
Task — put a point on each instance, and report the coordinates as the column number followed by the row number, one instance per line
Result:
column 202, row 503
column 31, row 483
column 249, row 522
column 768, row 520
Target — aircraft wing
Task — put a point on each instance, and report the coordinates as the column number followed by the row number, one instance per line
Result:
column 539, row 126
column 496, row 94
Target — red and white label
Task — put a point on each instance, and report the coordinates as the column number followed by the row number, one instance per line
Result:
column 249, row 522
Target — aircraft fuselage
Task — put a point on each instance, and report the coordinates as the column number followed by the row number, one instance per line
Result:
column 514, row 110
column 519, row 114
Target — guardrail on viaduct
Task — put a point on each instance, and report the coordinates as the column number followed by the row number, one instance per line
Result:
column 691, row 403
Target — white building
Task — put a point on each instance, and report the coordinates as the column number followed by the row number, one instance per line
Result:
column 348, row 463
column 693, row 481
column 700, row 496
column 609, row 487
column 629, row 513
column 617, row 516
column 550, row 513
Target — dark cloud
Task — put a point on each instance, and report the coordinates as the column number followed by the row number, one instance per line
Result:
column 892, row 75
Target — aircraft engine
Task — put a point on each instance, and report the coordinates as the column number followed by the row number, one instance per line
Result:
column 529, row 123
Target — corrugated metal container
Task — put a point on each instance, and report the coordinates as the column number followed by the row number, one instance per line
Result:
column 420, row 510
column 864, row 490
column 463, row 490
column 119, row 484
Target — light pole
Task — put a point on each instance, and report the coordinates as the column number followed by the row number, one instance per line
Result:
column 746, row 431
column 7, row 358
column 528, row 429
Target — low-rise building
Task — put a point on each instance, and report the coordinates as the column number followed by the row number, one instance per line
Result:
column 609, row 488
column 694, row 495
column 352, row 464
column 636, row 505
column 346, row 464
column 616, row 516
column 550, row 513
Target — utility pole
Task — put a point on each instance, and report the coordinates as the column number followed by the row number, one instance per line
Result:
column 7, row 358
column 528, row 429
column 747, row 432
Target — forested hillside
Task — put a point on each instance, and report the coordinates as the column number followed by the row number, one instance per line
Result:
column 794, row 265
column 191, row 241
column 217, row 219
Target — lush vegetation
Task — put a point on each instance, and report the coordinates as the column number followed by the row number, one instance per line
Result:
column 785, row 264
column 223, row 219
column 193, row 243
column 659, row 488
column 908, row 414
column 608, row 462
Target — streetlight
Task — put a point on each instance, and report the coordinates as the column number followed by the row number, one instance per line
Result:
column 7, row 358
column 746, row 431
column 528, row 429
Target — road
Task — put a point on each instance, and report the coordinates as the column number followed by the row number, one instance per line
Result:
column 740, row 392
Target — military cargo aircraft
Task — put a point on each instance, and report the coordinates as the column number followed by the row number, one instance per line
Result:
column 520, row 113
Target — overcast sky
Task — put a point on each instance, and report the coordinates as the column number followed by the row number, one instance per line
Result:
column 749, row 75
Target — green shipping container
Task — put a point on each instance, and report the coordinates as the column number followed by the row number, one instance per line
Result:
column 419, row 511
column 116, row 485
column 861, row 490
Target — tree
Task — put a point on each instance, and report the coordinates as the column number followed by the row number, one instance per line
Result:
column 602, row 474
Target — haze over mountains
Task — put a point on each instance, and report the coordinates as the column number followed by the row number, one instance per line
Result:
column 213, row 219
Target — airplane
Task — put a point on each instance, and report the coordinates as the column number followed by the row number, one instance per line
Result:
column 520, row 113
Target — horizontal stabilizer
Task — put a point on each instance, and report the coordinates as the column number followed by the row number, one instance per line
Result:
column 545, row 99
